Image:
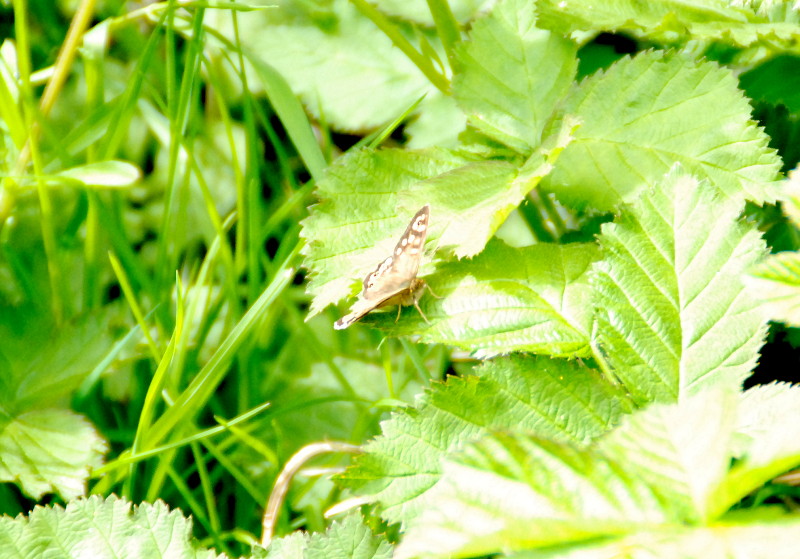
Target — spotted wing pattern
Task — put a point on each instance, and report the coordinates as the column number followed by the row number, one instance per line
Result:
column 395, row 274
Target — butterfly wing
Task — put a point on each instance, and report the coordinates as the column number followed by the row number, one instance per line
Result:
column 395, row 273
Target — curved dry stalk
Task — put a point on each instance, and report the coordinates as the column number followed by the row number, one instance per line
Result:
column 291, row 468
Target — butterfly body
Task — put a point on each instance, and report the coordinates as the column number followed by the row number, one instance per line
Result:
column 394, row 281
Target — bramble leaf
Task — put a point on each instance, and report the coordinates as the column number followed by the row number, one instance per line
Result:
column 101, row 528
column 658, row 481
column 672, row 21
column 347, row 539
column 368, row 197
column 672, row 312
column 552, row 398
column 534, row 299
column 513, row 75
column 644, row 114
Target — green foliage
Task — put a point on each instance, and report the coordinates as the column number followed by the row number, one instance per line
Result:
column 595, row 256
column 644, row 114
column 101, row 528
column 512, row 75
column 555, row 399
column 542, row 304
column 670, row 21
column 673, row 316
column 348, row 539
column 40, row 368
column 664, row 471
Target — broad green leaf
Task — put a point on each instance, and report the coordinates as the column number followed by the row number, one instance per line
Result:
column 512, row 75
column 648, row 480
column 368, row 197
column 357, row 223
column 769, row 440
column 776, row 282
column 644, row 114
column 556, row 399
column 100, row 529
column 534, row 299
column 103, row 174
column 439, row 123
column 670, row 21
column 790, row 196
column 512, row 491
column 45, row 447
column 344, row 68
column 672, row 313
column 348, row 539
column 683, row 450
column 745, row 537
column 49, row 451
column 419, row 11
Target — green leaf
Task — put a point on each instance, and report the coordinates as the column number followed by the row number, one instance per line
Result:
column 419, row 10
column 553, row 398
column 653, row 480
column 776, row 282
column 672, row 21
column 357, row 223
column 368, row 197
column 348, row 539
column 345, row 69
column 49, row 451
column 102, row 529
column 534, row 299
column 672, row 313
column 45, row 447
column 769, row 440
column 746, row 537
column 645, row 113
column 103, row 174
column 513, row 491
column 682, row 450
column 512, row 75
column 292, row 116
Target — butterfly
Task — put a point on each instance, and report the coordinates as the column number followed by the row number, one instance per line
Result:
column 395, row 281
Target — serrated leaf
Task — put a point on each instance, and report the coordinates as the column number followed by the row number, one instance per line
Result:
column 672, row 313
column 357, row 223
column 557, row 399
column 647, row 481
column 645, row 113
column 776, row 81
column 513, row 491
column 534, row 299
column 512, row 75
column 682, row 450
column 344, row 68
column 671, row 21
column 49, row 451
column 348, row 539
column 776, row 282
column 101, row 529
column 769, row 440
column 369, row 196
column 45, row 447
column 744, row 538
column 103, row 174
